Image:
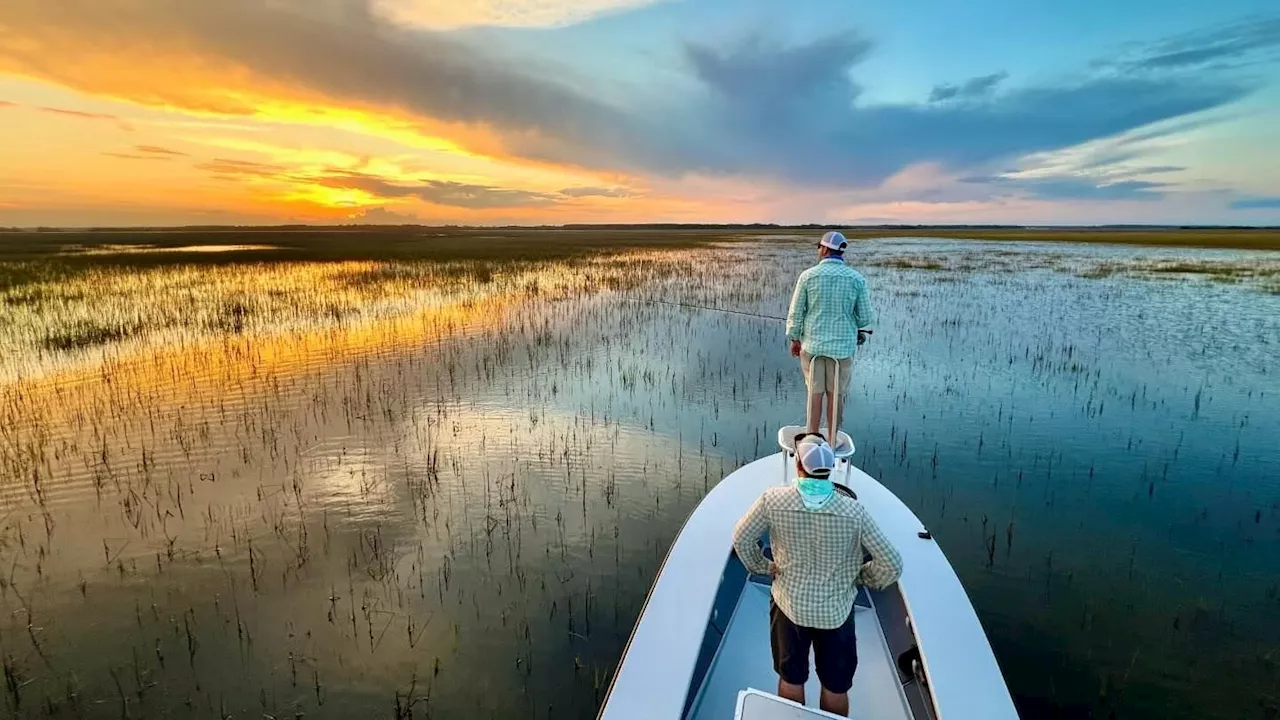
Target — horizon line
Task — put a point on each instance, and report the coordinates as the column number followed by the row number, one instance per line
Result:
column 50, row 229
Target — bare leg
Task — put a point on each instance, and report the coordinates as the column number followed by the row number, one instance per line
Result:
column 833, row 408
column 813, row 416
column 836, row 704
column 839, row 418
column 795, row 693
column 833, row 423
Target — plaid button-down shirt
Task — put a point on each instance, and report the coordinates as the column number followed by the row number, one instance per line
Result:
column 830, row 303
column 817, row 554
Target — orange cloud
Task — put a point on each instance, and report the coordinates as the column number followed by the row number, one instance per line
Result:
column 79, row 114
column 318, row 157
column 156, row 150
column 338, row 179
column 509, row 13
column 274, row 67
column 272, row 62
column 132, row 156
column 224, row 166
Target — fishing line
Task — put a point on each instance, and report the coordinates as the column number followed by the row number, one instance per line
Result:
column 690, row 306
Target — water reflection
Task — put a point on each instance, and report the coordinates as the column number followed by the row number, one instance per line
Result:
column 456, row 511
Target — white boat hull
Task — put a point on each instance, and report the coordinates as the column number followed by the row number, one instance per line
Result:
column 702, row 637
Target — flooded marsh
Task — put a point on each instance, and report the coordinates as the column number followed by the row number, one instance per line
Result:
column 398, row 487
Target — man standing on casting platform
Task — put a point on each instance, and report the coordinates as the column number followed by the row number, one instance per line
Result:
column 831, row 314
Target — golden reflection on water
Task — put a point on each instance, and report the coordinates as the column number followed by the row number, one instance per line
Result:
column 71, row 422
column 109, row 313
column 353, row 480
column 277, row 467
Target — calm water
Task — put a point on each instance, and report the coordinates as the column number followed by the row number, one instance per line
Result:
column 458, row 513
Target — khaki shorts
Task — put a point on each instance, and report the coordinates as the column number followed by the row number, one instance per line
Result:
column 820, row 378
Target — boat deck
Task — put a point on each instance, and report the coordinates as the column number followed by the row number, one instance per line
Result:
column 667, row 673
column 744, row 661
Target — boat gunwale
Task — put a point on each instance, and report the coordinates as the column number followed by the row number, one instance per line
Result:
column 951, row 621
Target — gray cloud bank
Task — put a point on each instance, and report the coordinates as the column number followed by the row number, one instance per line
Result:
column 756, row 108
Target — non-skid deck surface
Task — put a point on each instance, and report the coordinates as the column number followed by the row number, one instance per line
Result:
column 744, row 661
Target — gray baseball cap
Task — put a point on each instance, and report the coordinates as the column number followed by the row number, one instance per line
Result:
column 834, row 241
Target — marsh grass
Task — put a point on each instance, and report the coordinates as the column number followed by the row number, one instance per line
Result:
column 440, row 488
column 306, row 427
column 1259, row 268
column 80, row 334
column 1239, row 239
column 1260, row 273
column 545, row 243
column 1098, row 272
column 130, row 247
column 909, row 263
column 1255, row 270
column 52, row 316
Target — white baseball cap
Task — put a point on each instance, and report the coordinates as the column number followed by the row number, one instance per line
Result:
column 834, row 241
column 816, row 456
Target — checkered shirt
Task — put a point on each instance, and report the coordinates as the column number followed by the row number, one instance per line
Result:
column 817, row 554
column 830, row 303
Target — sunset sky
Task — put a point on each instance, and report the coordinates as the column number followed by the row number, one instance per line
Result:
column 167, row 112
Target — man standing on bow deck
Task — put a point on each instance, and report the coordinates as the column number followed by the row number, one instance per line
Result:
column 831, row 314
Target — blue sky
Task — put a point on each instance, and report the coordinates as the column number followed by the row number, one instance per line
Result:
column 622, row 110
column 1199, row 78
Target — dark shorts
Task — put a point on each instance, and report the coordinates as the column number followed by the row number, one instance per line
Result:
column 835, row 652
